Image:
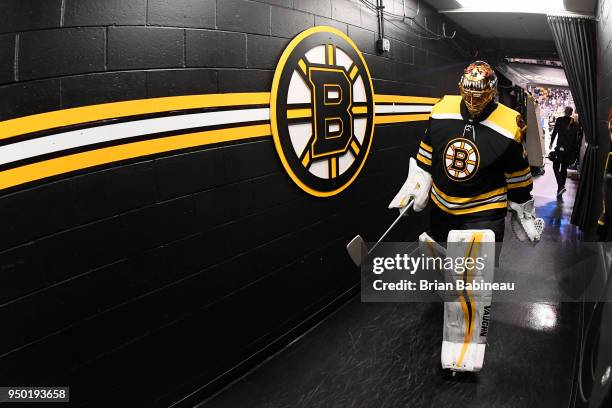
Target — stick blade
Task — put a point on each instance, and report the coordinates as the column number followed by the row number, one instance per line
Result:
column 357, row 250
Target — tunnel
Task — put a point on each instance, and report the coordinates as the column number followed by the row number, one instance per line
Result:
column 199, row 203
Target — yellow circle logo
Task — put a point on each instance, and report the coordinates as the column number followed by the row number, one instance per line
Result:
column 461, row 159
column 322, row 111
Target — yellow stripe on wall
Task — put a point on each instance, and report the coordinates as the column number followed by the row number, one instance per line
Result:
column 383, row 120
column 86, row 114
column 74, row 116
column 383, row 98
column 78, row 161
column 93, row 113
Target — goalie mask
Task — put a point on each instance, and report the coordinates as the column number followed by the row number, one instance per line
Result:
column 478, row 86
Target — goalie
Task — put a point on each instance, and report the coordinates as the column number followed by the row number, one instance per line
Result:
column 472, row 165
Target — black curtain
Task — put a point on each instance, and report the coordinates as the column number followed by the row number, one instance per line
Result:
column 575, row 42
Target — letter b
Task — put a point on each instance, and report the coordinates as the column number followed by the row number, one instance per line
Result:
column 332, row 119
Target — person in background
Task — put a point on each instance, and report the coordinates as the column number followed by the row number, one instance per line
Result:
column 565, row 131
column 574, row 161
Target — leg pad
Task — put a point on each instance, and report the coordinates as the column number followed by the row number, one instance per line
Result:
column 466, row 319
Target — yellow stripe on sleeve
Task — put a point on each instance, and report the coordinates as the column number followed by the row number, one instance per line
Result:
column 521, row 184
column 427, row 147
column 518, row 173
column 423, row 159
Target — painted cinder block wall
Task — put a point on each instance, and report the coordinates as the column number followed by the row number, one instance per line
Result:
column 146, row 280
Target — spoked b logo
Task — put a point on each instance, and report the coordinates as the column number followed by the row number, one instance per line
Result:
column 322, row 111
column 461, row 159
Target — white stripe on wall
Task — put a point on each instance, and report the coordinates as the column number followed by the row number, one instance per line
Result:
column 402, row 108
column 117, row 131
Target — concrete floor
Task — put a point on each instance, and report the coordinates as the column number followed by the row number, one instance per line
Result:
column 388, row 354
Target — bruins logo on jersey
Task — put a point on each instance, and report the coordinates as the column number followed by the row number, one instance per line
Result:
column 322, row 111
column 461, row 159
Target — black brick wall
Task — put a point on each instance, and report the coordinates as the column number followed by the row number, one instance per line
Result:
column 147, row 280
column 105, row 12
column 103, row 87
column 208, row 48
column 7, row 56
column 60, row 52
column 243, row 15
column 24, row 15
column 182, row 13
column 145, row 47
column 53, row 44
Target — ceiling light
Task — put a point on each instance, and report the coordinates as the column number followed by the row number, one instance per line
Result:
column 514, row 6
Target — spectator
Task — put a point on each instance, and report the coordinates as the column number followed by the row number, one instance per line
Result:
column 565, row 131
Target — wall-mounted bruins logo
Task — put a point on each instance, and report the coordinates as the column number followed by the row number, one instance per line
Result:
column 322, row 111
column 461, row 159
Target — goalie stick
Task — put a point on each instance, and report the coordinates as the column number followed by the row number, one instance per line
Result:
column 356, row 248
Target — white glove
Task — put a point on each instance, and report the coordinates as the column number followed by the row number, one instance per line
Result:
column 525, row 225
column 416, row 186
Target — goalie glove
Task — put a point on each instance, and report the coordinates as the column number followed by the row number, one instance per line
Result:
column 416, row 186
column 525, row 225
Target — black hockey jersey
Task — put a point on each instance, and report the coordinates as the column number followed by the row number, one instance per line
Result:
column 476, row 165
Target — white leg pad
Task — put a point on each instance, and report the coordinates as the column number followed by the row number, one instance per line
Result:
column 471, row 361
column 466, row 320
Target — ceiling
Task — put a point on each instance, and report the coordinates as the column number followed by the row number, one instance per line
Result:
column 525, row 74
column 513, row 34
column 586, row 7
column 520, row 26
